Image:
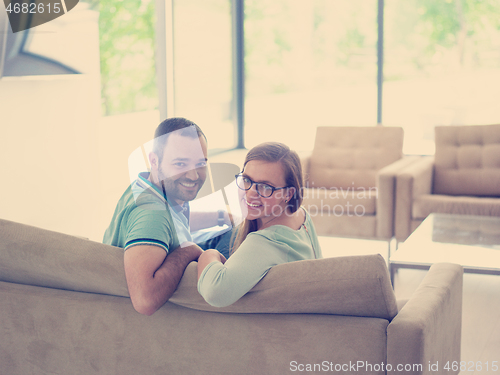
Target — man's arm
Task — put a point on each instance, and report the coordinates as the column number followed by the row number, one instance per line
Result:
column 152, row 276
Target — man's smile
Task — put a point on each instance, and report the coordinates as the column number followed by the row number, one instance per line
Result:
column 188, row 185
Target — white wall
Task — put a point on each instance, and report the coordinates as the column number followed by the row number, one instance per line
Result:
column 49, row 152
column 118, row 137
column 62, row 166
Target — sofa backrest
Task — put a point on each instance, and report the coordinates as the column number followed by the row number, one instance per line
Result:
column 35, row 256
column 350, row 157
column 350, row 285
column 357, row 286
column 467, row 160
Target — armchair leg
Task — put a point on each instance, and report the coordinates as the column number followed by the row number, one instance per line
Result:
column 393, row 270
column 388, row 252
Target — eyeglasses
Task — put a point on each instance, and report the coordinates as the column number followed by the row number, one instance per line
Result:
column 264, row 190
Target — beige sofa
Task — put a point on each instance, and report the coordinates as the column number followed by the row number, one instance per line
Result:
column 462, row 178
column 64, row 309
column 350, row 180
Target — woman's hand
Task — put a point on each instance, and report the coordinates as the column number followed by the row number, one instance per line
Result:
column 209, row 256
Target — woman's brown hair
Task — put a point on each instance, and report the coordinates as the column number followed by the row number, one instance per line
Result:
column 273, row 152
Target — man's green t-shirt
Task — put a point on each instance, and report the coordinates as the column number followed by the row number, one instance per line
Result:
column 144, row 217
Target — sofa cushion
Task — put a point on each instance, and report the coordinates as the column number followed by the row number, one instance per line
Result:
column 467, row 160
column 347, row 157
column 356, row 286
column 426, row 204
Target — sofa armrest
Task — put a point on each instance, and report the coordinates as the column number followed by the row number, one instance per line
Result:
column 428, row 328
column 386, row 195
column 412, row 181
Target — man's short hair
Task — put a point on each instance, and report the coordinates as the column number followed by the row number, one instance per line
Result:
column 170, row 125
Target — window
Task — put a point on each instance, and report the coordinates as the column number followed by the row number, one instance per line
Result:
column 203, row 67
column 308, row 63
column 127, row 50
column 314, row 63
column 442, row 66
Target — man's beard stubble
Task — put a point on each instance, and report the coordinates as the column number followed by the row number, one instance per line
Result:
column 174, row 191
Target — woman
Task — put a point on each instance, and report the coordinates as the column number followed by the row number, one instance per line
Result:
column 276, row 228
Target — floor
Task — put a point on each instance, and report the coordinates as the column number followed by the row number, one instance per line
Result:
column 481, row 305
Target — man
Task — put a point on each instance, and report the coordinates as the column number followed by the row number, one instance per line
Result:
column 151, row 220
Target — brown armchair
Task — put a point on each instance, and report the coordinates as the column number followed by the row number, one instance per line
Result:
column 462, row 178
column 350, row 180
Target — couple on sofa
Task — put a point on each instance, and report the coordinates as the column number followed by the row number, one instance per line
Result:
column 153, row 223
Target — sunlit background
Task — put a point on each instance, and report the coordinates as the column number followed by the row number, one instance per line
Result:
column 310, row 63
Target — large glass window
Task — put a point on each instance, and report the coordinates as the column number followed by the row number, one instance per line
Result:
column 442, row 66
column 311, row 63
column 308, row 63
column 203, row 67
column 127, row 45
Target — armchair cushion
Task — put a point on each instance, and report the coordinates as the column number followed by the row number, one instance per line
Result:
column 349, row 157
column 467, row 160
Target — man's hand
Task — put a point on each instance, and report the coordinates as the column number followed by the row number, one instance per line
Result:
column 203, row 220
column 209, row 256
column 152, row 276
column 229, row 219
